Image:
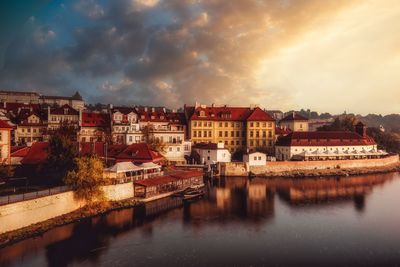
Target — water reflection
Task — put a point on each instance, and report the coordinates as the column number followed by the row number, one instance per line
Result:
column 229, row 201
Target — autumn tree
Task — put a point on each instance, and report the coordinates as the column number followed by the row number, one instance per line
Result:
column 87, row 178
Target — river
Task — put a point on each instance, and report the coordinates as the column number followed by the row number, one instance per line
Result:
column 353, row 221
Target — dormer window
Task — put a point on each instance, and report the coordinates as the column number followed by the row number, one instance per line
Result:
column 65, row 111
column 202, row 113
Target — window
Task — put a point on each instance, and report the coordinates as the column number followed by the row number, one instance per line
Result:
column 220, row 124
column 255, row 158
column 264, row 124
column 209, row 124
column 205, row 134
column 259, row 158
column 130, row 138
column 232, row 134
column 257, row 124
column 226, row 124
column 237, row 134
column 170, row 149
column 257, row 134
column 200, row 123
column 226, row 142
column 195, row 124
column 251, row 133
column 251, row 124
column 269, row 133
column 232, row 124
column 269, row 124
column 251, row 143
column 226, row 133
column 178, row 149
column 264, row 134
column 209, row 133
column 194, row 134
column 237, row 143
column 220, row 133
column 232, row 143
column 199, row 134
column 301, row 125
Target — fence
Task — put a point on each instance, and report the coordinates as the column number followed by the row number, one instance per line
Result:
column 4, row 200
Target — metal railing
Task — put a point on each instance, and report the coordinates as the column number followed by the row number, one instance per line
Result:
column 4, row 200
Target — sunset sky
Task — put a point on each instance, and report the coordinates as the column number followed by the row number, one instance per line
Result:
column 324, row 55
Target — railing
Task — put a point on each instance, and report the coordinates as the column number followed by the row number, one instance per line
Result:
column 4, row 200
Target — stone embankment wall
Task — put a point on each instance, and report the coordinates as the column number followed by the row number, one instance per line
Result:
column 20, row 214
column 242, row 169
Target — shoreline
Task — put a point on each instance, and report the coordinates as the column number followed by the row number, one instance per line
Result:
column 328, row 172
column 85, row 212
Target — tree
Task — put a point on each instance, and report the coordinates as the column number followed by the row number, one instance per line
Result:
column 343, row 123
column 87, row 178
column 154, row 143
column 62, row 152
column 386, row 141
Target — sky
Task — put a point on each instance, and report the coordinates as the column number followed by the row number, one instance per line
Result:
column 329, row 56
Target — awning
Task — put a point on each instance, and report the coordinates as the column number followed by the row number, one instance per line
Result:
column 149, row 165
column 124, row 167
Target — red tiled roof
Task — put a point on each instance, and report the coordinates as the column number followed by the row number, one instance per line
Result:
column 92, row 119
column 15, row 107
column 259, row 115
column 124, row 110
column 294, row 116
column 221, row 113
column 19, row 151
column 37, row 154
column 5, row 125
column 321, row 138
column 139, row 153
column 159, row 180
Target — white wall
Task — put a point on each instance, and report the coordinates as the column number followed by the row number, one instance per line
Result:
column 255, row 159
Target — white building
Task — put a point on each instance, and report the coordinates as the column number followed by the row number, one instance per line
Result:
column 5, row 142
column 255, row 159
column 125, row 126
column 295, row 122
column 327, row 145
column 211, row 153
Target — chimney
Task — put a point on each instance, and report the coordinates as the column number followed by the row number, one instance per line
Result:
column 153, row 110
column 111, row 106
column 145, row 109
column 164, row 110
column 5, row 104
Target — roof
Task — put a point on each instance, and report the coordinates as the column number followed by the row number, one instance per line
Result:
column 19, row 151
column 139, row 153
column 95, row 119
column 124, row 167
column 294, row 116
column 5, row 125
column 185, row 174
column 259, row 115
column 124, row 110
column 149, row 165
column 159, row 180
column 322, row 138
column 64, row 110
column 37, row 154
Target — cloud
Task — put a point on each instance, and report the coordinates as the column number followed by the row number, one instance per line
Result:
column 178, row 51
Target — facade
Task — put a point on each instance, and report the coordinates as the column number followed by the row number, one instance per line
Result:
column 255, row 159
column 94, row 126
column 75, row 101
column 31, row 127
column 211, row 153
column 239, row 128
column 327, row 145
column 5, row 142
column 295, row 122
column 125, row 126
column 64, row 114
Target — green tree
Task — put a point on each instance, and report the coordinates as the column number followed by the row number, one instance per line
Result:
column 342, row 123
column 86, row 179
column 61, row 152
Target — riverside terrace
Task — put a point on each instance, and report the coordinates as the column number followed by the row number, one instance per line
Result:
column 167, row 184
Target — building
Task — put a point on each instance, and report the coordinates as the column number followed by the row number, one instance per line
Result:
column 125, row 128
column 5, row 142
column 255, row 159
column 94, row 126
column 239, row 128
column 276, row 114
column 327, row 145
column 211, row 153
column 74, row 101
column 295, row 122
column 56, row 116
column 30, row 127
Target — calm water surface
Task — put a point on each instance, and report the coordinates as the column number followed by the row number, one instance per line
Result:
column 280, row 222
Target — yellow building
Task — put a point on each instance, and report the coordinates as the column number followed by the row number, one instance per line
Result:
column 239, row 128
column 295, row 122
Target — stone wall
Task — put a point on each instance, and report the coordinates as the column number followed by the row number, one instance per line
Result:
column 239, row 168
column 20, row 214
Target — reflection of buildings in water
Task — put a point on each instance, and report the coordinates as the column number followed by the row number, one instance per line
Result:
column 223, row 198
column 328, row 190
column 260, row 201
column 32, row 245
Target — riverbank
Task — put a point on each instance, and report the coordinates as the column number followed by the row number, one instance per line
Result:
column 85, row 212
column 329, row 172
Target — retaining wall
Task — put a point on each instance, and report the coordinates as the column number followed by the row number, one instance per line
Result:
column 24, row 213
column 241, row 169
